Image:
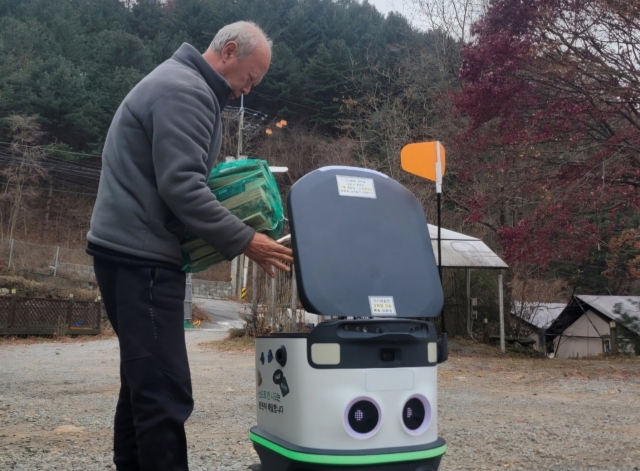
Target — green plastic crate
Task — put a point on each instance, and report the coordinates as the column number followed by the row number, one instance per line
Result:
column 248, row 189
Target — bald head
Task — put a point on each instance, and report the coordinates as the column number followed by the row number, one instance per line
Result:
column 246, row 34
column 241, row 53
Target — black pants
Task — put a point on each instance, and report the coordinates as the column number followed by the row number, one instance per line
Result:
column 146, row 309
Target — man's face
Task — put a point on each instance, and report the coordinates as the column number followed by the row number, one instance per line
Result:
column 244, row 74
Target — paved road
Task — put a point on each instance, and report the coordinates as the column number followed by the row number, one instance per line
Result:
column 223, row 315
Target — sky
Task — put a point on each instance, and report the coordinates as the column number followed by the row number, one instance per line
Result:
column 385, row 6
column 404, row 7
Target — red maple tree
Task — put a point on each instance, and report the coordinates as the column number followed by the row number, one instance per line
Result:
column 552, row 150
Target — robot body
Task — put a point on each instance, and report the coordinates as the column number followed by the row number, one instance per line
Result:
column 375, row 409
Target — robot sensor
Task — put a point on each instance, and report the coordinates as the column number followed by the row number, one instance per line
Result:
column 416, row 415
column 362, row 418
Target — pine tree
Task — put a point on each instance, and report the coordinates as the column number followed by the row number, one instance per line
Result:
column 326, row 81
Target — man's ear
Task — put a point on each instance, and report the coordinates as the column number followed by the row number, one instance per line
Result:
column 230, row 49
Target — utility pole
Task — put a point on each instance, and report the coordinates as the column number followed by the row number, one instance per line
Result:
column 238, row 262
column 240, row 127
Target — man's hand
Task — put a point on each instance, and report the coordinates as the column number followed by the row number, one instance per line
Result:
column 267, row 253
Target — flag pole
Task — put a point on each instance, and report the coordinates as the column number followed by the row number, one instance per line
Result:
column 439, row 197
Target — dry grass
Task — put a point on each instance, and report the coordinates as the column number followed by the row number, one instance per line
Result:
column 30, row 288
column 233, row 343
column 197, row 313
column 37, row 339
column 107, row 333
column 530, row 371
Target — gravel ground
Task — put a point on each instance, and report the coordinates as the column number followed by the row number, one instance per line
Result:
column 57, row 400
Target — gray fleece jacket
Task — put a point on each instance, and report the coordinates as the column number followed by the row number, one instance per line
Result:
column 161, row 146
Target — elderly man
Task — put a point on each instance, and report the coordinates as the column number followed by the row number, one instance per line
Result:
column 163, row 141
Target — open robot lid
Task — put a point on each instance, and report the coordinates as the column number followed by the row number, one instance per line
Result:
column 361, row 246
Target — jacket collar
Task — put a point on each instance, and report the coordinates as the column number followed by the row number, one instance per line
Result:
column 189, row 56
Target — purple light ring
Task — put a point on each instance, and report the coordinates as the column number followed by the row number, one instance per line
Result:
column 353, row 433
column 427, row 415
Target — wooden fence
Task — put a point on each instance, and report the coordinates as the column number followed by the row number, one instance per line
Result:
column 41, row 316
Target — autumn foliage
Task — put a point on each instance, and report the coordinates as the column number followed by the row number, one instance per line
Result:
column 552, row 149
column 624, row 263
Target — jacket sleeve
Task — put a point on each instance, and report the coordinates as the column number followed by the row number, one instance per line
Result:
column 180, row 126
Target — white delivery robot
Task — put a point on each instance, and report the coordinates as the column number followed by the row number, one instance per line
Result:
column 358, row 393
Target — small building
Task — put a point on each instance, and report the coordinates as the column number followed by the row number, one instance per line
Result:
column 584, row 327
column 533, row 319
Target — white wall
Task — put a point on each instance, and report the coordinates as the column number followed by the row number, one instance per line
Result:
column 582, row 338
column 211, row 289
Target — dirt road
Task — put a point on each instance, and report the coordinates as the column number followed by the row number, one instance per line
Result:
column 57, row 400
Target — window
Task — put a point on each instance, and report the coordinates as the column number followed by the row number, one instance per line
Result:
column 606, row 345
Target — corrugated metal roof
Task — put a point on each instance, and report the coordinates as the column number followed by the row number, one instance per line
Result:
column 613, row 306
column 446, row 234
column 458, row 250
column 463, row 251
column 540, row 315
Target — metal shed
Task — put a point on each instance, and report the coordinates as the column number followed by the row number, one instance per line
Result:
column 463, row 251
column 468, row 252
column 458, row 251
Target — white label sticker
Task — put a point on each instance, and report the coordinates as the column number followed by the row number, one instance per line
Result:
column 382, row 306
column 354, row 186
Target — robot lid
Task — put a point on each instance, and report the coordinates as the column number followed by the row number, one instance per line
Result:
column 361, row 246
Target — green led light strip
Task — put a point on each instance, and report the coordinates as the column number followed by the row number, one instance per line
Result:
column 348, row 459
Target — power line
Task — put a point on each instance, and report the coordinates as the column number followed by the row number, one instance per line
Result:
column 60, row 167
column 292, row 102
column 57, row 167
column 49, row 149
column 63, row 161
column 307, row 128
column 252, row 112
column 54, row 190
column 49, row 152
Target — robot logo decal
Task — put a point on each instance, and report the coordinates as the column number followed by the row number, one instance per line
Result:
column 280, row 380
column 270, row 356
column 259, row 378
column 284, row 387
column 262, row 358
column 278, row 376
